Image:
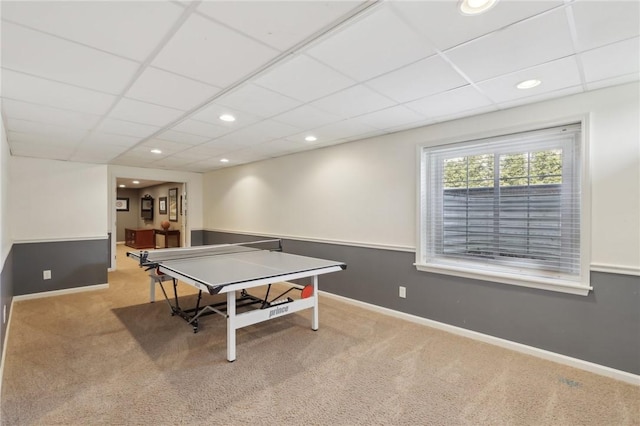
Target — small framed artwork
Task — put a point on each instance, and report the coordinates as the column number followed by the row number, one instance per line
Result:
column 173, row 204
column 162, row 206
column 122, row 204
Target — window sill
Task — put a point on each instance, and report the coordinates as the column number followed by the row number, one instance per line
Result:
column 551, row 284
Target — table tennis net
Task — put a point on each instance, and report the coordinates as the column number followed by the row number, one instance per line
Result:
column 156, row 256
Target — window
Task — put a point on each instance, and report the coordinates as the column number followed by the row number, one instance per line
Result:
column 506, row 209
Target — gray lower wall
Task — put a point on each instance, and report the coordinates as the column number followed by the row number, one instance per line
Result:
column 6, row 296
column 197, row 237
column 603, row 327
column 72, row 264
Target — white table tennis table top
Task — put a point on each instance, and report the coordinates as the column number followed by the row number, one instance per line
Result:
column 216, row 268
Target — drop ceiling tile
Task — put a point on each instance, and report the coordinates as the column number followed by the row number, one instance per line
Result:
column 126, row 128
column 111, row 140
column 41, row 150
column 555, row 75
column 56, row 139
column 34, row 127
column 409, row 126
column 170, row 90
column 213, row 148
column 47, row 115
column 542, row 97
column 36, row 90
column 244, row 156
column 195, row 153
column 522, row 45
column 49, row 57
column 615, row 81
column 144, row 113
column 468, row 113
column 171, row 162
column 279, row 147
column 205, row 165
column 599, row 23
column 304, row 78
column 135, row 159
column 376, row 43
column 260, row 132
column 390, row 117
column 280, row 24
column 92, row 147
column 92, row 156
column 200, row 128
column 219, row 146
column 258, row 101
column 195, row 168
column 167, row 147
column 181, row 137
column 441, row 23
column 356, row 100
column 611, row 61
column 307, row 117
column 336, row 131
column 211, row 115
column 212, row 53
column 111, row 26
column 449, row 103
column 423, row 78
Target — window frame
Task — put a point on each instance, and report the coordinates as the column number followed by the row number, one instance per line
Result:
column 581, row 286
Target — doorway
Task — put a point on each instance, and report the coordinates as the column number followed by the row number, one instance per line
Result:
column 148, row 214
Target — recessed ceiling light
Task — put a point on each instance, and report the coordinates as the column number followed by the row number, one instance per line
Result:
column 135, row 182
column 122, row 186
column 310, row 138
column 156, row 151
column 224, row 160
column 528, row 84
column 475, row 7
column 227, row 117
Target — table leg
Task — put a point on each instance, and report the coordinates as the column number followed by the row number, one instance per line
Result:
column 314, row 320
column 231, row 326
column 152, row 290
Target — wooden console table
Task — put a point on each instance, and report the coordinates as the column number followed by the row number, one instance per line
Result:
column 168, row 233
column 139, row 238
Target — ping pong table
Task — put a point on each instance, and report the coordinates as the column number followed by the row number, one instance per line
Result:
column 233, row 269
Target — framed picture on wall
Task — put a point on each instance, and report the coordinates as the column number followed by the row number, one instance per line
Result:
column 162, row 205
column 173, row 204
column 122, row 204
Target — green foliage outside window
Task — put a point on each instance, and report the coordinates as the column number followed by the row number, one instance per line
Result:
column 526, row 168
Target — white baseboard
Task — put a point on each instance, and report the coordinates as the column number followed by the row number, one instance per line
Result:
column 60, row 292
column 4, row 346
column 507, row 344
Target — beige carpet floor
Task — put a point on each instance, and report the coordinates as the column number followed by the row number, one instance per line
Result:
column 109, row 357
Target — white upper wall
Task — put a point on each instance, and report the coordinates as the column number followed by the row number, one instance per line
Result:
column 5, row 237
column 364, row 192
column 57, row 200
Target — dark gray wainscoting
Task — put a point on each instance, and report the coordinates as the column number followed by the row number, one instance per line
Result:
column 602, row 327
column 72, row 264
column 197, row 237
column 6, row 296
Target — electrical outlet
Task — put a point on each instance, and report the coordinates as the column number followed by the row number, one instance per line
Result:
column 402, row 292
column 46, row 274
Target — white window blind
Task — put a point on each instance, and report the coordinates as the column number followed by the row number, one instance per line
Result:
column 508, row 205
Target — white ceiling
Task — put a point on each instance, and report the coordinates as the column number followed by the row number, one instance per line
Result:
column 106, row 82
